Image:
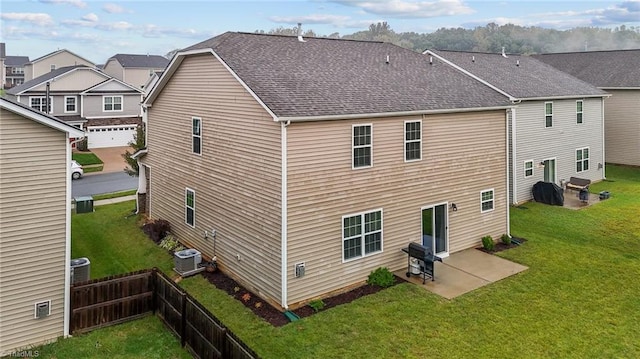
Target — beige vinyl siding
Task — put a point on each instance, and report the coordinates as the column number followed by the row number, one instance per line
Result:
column 130, row 106
column 114, row 69
column 236, row 179
column 462, row 155
column 61, row 59
column 33, row 217
column 622, row 127
column 77, row 81
column 537, row 143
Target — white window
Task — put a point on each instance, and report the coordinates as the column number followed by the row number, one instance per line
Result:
column 486, row 200
column 196, row 135
column 528, row 168
column 361, row 234
column 582, row 159
column 362, row 150
column 579, row 104
column 40, row 103
column 69, row 104
column 412, row 140
column 548, row 114
column 17, row 70
column 112, row 103
column 190, row 207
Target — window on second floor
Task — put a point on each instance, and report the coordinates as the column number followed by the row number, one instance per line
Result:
column 17, row 70
column 112, row 103
column 40, row 103
column 579, row 104
column 69, row 104
column 412, row 141
column 548, row 114
column 362, row 149
column 582, row 159
column 528, row 168
column 196, row 135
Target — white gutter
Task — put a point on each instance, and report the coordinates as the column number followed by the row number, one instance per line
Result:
column 604, row 162
column 508, row 203
column 618, row 88
column 514, row 156
column 283, row 214
column 388, row 114
column 566, row 97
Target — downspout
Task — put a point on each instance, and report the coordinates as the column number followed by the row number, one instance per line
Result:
column 283, row 214
column 508, row 202
column 514, row 158
column 604, row 162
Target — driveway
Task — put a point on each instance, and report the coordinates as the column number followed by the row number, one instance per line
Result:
column 112, row 158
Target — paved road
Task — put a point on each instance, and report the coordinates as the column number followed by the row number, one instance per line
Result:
column 92, row 184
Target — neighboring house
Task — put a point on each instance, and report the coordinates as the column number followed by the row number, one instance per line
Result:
column 35, row 226
column 53, row 61
column 85, row 97
column 135, row 69
column 617, row 72
column 151, row 81
column 557, row 129
column 14, row 70
column 272, row 153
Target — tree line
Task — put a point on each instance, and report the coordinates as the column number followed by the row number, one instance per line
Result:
column 492, row 38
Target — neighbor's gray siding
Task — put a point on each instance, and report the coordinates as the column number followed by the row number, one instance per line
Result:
column 463, row 154
column 622, row 127
column 32, row 230
column 535, row 142
column 93, row 106
column 236, row 179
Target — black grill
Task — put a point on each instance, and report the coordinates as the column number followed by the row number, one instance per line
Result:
column 425, row 256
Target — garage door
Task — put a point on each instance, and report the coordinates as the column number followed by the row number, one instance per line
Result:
column 111, row 136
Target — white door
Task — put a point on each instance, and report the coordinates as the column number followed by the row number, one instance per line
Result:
column 110, row 136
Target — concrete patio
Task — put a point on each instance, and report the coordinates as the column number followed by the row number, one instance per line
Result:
column 465, row 271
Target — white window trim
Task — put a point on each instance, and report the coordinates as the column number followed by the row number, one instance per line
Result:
column 588, row 160
column 186, row 207
column 493, row 200
column 42, row 98
column 113, row 103
column 353, row 147
column 580, row 112
column 75, row 104
column 545, row 114
column 524, row 168
column 362, row 234
column 193, row 136
column 404, row 129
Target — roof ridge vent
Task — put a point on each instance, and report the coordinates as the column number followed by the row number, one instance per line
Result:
column 300, row 33
column 473, row 58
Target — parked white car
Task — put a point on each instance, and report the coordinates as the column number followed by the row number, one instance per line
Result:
column 76, row 170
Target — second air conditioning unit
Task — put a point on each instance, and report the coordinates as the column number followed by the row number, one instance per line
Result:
column 187, row 261
column 80, row 270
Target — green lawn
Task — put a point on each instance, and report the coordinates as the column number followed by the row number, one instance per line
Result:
column 579, row 297
column 86, row 158
column 144, row 338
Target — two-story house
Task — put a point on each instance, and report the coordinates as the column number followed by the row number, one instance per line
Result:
column 326, row 154
column 35, row 222
column 135, row 69
column 107, row 108
column 11, row 68
column 53, row 61
column 617, row 72
column 557, row 128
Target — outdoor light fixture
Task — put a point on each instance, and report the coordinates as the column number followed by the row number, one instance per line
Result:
column 599, row 166
column 454, row 207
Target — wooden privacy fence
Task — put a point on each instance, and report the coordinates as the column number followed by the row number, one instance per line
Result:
column 117, row 299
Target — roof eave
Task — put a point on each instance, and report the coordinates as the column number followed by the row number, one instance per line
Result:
column 71, row 131
column 564, row 97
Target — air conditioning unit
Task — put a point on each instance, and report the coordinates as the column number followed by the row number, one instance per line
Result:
column 187, row 261
column 80, row 270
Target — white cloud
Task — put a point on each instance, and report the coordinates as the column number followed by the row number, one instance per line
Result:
column 411, row 9
column 77, row 3
column 120, row 25
column 91, row 17
column 18, row 33
column 324, row 19
column 155, row 31
column 112, row 8
column 39, row 19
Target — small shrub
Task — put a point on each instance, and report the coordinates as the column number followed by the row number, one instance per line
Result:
column 487, row 243
column 317, row 305
column 156, row 230
column 170, row 243
column 506, row 239
column 381, row 277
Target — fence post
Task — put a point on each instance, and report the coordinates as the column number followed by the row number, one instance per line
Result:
column 154, row 290
column 225, row 343
column 183, row 318
column 70, row 310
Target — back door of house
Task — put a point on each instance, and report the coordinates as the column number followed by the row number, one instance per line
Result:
column 434, row 229
column 550, row 170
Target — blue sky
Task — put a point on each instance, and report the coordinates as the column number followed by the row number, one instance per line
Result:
column 97, row 30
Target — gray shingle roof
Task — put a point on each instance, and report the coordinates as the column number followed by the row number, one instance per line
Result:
column 42, row 78
column 323, row 77
column 605, row 69
column 520, row 76
column 148, row 61
column 16, row 61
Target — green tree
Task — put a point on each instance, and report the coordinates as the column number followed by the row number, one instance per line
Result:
column 136, row 144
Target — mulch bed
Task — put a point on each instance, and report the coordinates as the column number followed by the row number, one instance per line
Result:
column 499, row 246
column 273, row 315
